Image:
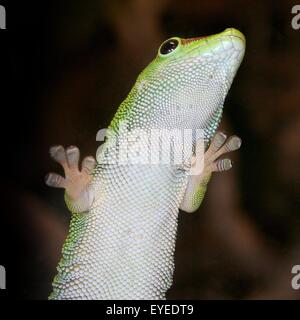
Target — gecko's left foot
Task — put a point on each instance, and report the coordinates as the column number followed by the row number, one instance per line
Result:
column 219, row 146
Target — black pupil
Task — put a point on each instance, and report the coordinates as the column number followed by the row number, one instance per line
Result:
column 169, row 46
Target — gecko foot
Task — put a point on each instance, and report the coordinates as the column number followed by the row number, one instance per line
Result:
column 219, row 146
column 75, row 181
column 198, row 180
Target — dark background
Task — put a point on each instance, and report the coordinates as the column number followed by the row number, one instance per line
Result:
column 67, row 65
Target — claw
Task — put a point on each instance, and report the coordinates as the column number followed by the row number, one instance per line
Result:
column 73, row 155
column 222, row 165
column 217, row 142
column 233, row 143
column 54, row 180
column 88, row 164
column 58, row 154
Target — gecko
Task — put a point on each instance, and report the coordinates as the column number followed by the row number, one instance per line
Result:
column 124, row 214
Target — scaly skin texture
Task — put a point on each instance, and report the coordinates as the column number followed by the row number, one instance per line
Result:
column 124, row 216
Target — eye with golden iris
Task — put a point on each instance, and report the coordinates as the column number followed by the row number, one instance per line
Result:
column 168, row 46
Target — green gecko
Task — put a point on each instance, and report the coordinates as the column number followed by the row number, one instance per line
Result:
column 123, row 227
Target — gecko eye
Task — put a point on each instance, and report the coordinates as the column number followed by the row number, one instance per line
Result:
column 168, row 46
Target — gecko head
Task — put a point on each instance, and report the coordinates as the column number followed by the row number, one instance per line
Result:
column 204, row 58
column 190, row 78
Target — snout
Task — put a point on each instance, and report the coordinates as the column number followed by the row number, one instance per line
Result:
column 227, row 50
column 228, row 45
column 233, row 37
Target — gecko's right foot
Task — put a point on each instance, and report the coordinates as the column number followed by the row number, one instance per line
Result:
column 75, row 181
column 200, row 175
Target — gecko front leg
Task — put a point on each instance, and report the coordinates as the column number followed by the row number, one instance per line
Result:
column 79, row 194
column 197, row 181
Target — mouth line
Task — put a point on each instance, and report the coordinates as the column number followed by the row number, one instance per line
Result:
column 235, row 36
